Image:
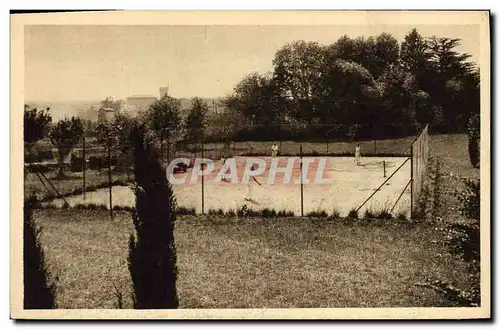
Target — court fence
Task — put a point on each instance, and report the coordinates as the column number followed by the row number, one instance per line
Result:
column 106, row 158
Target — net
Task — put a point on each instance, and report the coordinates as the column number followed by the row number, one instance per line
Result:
column 419, row 159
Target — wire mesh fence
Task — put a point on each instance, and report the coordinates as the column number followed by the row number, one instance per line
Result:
column 419, row 160
column 379, row 181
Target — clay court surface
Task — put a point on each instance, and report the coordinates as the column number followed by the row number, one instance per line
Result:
column 350, row 186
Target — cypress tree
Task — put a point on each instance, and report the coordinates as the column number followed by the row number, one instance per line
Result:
column 38, row 292
column 152, row 253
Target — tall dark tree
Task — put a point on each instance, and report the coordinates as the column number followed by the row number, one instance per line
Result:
column 196, row 121
column 39, row 292
column 415, row 53
column 397, row 114
column 65, row 135
column 349, row 94
column 152, row 252
column 474, row 135
column 450, row 69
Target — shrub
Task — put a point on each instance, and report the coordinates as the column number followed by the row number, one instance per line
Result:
column 383, row 214
column 464, row 238
column 38, row 292
column 470, row 199
column 401, row 216
column 317, row 213
column 353, row 214
column 152, row 252
column 185, row 211
column 285, row 213
column 268, row 213
column 231, row 213
column 474, row 135
column 369, row 214
column 455, row 296
column 335, row 213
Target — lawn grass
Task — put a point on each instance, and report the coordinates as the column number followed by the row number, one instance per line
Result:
column 269, row 262
column 253, row 262
column 453, row 154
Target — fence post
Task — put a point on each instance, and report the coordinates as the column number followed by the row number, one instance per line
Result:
column 202, row 184
column 301, row 185
column 109, row 180
column 326, row 147
column 84, row 166
column 384, row 169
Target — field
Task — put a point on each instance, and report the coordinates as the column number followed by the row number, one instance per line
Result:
column 253, row 263
column 263, row 262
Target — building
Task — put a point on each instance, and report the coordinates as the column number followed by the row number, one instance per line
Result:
column 163, row 91
column 105, row 115
column 141, row 102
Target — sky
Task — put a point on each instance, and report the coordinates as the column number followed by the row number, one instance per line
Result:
column 75, row 62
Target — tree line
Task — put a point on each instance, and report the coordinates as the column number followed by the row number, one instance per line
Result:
column 366, row 87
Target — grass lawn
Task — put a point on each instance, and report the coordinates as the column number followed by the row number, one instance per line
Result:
column 254, row 263
column 452, row 152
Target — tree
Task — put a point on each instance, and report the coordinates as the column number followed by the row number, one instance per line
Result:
column 39, row 293
column 451, row 68
column 349, row 95
column 116, row 135
column 474, row 135
column 297, row 69
column 256, row 98
column 415, row 53
column 397, row 114
column 64, row 136
column 374, row 54
column 196, row 120
column 152, row 253
column 163, row 117
column 36, row 125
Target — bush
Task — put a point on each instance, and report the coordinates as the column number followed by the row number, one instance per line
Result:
column 285, row 213
column 318, row 214
column 185, row 211
column 353, row 214
column 268, row 213
column 474, row 134
column 335, row 213
column 464, row 238
column 38, row 292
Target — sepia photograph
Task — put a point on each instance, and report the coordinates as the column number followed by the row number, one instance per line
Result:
column 199, row 165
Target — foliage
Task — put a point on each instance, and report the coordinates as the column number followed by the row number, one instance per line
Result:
column 455, row 296
column 116, row 135
column 65, row 134
column 196, row 121
column 370, row 82
column 39, row 293
column 36, row 124
column 474, row 134
column 152, row 252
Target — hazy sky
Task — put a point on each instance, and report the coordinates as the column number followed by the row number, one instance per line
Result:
column 91, row 62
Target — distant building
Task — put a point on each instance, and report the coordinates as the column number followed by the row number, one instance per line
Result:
column 163, row 91
column 141, row 102
column 105, row 115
